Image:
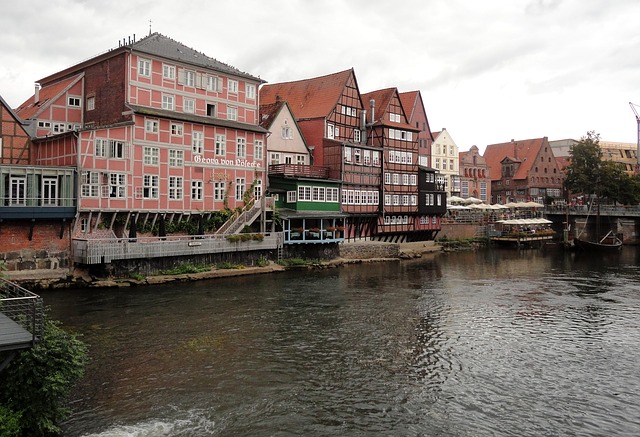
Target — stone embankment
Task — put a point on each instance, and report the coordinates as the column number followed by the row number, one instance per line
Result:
column 350, row 253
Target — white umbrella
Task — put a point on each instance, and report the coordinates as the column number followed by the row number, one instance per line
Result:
column 471, row 200
column 457, row 207
column 454, row 199
column 533, row 205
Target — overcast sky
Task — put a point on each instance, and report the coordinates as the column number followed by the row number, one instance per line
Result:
column 489, row 71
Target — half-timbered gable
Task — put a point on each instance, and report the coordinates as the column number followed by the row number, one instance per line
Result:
column 14, row 139
column 417, row 116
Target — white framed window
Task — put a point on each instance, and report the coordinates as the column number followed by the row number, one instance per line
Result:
column 74, row 101
column 351, row 197
column 144, row 67
column 177, row 129
column 357, row 157
column 241, row 148
column 212, row 83
column 413, row 179
column 190, row 78
column 395, row 179
column 116, row 149
column 241, row 187
column 101, row 147
column 151, row 155
column 175, row 187
column 414, row 200
column 221, row 145
column 301, row 159
column 251, row 91
column 332, row 195
column 258, row 150
column 376, row 158
column 189, row 106
column 291, row 197
column 232, row 113
column 356, row 135
column 405, row 199
column 366, row 157
column 395, row 199
column 18, row 190
column 330, row 131
column 211, row 109
column 91, row 103
column 197, row 142
column 90, row 184
column 150, row 186
column 151, row 126
column 168, row 102
column 257, row 189
column 219, row 190
column 196, row 190
column 387, row 199
column 168, row 71
column 304, row 193
column 117, row 185
column 318, row 194
column 176, row 158
column 232, row 86
column 387, row 178
column 405, row 179
column 347, row 154
column 274, row 158
column 49, row 189
column 286, row 133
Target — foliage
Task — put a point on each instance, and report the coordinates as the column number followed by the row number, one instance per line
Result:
column 137, row 276
column 263, row 261
column 37, row 382
column 295, row 262
column 9, row 422
column 186, row 268
column 590, row 175
column 229, row 266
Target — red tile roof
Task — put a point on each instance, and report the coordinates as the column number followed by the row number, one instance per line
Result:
column 523, row 151
column 269, row 112
column 308, row 98
column 49, row 93
column 382, row 100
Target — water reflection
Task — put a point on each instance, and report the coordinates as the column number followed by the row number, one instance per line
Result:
column 492, row 342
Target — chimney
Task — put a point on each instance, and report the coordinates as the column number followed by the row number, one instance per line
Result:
column 36, row 96
column 372, row 105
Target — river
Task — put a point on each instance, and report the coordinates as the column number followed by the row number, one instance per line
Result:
column 488, row 343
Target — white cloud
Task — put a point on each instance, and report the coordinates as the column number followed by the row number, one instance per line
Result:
column 489, row 71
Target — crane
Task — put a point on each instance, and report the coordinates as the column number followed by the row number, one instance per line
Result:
column 635, row 111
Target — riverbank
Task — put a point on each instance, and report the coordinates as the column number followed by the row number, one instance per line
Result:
column 366, row 252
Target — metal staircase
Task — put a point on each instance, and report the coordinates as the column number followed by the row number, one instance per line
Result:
column 237, row 222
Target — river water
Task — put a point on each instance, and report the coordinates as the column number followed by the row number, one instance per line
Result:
column 488, row 343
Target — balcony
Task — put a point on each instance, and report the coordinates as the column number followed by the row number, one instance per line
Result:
column 21, row 317
column 299, row 171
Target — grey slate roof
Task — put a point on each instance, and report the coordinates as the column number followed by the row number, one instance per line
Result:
column 160, row 45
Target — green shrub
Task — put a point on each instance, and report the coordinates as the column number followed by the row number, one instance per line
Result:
column 263, row 261
column 186, row 268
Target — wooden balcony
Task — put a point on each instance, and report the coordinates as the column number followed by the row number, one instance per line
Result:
column 299, row 171
column 101, row 251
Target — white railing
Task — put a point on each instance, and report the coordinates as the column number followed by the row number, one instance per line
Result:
column 99, row 251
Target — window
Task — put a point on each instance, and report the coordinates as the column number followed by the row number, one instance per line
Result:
column 405, row 179
column 291, row 197
column 212, row 83
column 151, row 126
column 117, row 185
column 347, row 154
column 405, row 199
column 395, row 179
column 102, row 145
column 90, row 185
column 258, row 150
column 257, row 189
column 240, row 188
column 395, row 199
column 219, row 190
column 356, row 156
column 387, row 178
column 317, row 194
column 144, row 67
column 274, row 158
column 175, row 187
column 190, row 78
column 232, row 113
column 304, row 193
column 197, row 142
column 241, row 148
column 150, row 185
column 287, row 133
column 49, row 191
column 167, row 102
column 189, row 106
column 387, row 199
column 221, row 145
column 151, row 155
column 376, row 158
column 332, row 195
column 169, row 71
column 211, row 109
column 196, row 190
column 394, row 117
column 356, row 135
column 413, row 179
column 251, row 91
column 232, row 86
column 116, row 149
column 74, row 101
column 176, row 158
column 177, row 129
column 330, row 131
column 300, row 160
column 18, row 190
column 91, row 103
column 366, row 157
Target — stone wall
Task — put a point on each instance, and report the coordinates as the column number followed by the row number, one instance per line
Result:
column 369, row 250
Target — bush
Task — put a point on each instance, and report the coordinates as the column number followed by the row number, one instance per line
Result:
column 186, row 268
column 37, row 382
column 262, row 261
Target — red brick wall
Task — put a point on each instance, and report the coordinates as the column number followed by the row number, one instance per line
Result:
column 44, row 251
column 106, row 82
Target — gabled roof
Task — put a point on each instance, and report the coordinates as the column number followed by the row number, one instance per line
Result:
column 13, row 113
column 309, row 98
column 382, row 99
column 410, row 101
column 269, row 112
column 523, row 151
column 165, row 47
column 32, row 108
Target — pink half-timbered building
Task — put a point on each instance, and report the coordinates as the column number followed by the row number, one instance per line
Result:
column 155, row 128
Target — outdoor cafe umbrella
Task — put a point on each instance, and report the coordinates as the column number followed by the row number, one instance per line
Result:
column 469, row 200
column 454, row 199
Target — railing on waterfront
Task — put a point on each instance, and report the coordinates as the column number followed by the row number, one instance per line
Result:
column 299, row 170
column 99, row 251
column 24, row 309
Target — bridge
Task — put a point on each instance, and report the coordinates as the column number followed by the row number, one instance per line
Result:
column 21, row 320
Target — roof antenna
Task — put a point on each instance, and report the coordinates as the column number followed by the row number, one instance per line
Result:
column 149, row 27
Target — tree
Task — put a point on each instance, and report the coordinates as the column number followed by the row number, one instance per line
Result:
column 590, row 175
column 34, row 386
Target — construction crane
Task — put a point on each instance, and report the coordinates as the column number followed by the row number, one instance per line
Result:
column 635, row 111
